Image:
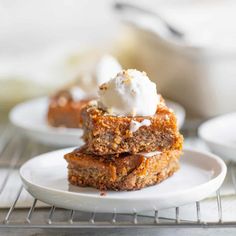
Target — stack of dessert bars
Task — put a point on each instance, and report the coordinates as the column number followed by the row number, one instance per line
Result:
column 125, row 153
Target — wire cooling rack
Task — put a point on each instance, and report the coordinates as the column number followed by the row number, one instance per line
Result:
column 16, row 149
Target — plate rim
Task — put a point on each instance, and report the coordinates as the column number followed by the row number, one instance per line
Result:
column 221, row 175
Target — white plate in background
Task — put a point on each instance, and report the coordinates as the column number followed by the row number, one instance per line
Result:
column 220, row 135
column 200, row 175
column 30, row 117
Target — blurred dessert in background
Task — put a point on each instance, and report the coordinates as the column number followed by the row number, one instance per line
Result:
column 65, row 105
column 64, row 109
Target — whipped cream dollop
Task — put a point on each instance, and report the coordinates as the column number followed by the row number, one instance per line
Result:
column 130, row 93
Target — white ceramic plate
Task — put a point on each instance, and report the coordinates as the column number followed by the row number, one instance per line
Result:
column 220, row 135
column 30, row 117
column 45, row 177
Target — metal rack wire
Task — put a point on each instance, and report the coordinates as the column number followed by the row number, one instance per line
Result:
column 14, row 150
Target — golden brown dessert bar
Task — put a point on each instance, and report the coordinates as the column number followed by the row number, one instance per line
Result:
column 122, row 172
column 63, row 111
column 106, row 134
